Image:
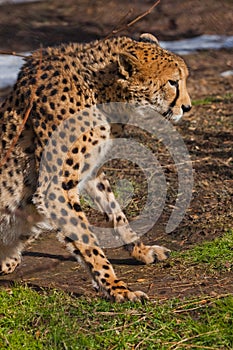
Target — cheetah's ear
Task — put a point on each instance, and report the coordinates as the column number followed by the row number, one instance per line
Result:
column 127, row 64
column 149, row 38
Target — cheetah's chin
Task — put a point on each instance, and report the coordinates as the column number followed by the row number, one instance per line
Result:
column 176, row 118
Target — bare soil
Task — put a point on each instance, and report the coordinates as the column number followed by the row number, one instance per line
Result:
column 206, row 130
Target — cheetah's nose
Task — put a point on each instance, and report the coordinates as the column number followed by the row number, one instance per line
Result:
column 186, row 108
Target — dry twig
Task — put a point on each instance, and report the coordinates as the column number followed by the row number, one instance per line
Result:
column 126, row 26
column 12, row 53
column 185, row 340
column 200, row 303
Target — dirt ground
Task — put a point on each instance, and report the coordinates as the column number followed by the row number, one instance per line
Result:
column 206, row 130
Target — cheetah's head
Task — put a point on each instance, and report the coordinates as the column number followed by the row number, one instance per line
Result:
column 153, row 76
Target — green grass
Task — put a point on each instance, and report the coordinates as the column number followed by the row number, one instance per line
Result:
column 56, row 320
column 212, row 99
column 217, row 254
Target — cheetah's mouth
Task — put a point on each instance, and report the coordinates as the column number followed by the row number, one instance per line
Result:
column 169, row 115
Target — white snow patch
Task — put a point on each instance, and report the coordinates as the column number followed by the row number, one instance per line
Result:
column 227, row 73
column 202, row 42
column 9, row 68
column 4, row 2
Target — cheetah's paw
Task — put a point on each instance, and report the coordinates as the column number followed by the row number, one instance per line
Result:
column 150, row 254
column 119, row 293
column 9, row 264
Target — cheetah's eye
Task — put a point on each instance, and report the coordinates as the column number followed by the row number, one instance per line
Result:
column 173, row 82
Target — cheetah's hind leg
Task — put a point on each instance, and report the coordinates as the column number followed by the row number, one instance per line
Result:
column 16, row 233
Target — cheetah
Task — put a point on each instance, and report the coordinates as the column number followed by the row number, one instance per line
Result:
column 42, row 177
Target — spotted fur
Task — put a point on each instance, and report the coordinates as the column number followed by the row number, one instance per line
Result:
column 65, row 84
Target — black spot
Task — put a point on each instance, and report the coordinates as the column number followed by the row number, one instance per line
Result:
column 44, row 99
column 75, row 77
column 88, row 253
column 83, row 225
column 85, row 167
column 61, row 199
column 118, row 287
column 33, row 81
column 52, row 196
column 113, row 205
column 69, row 161
column 85, row 239
column 77, row 207
column 69, row 185
column 50, row 117
column 44, row 76
column 55, row 179
column 43, row 125
column 53, row 92
column 39, row 89
column 101, row 186
column 62, row 134
column 62, row 221
column 49, row 156
column 75, row 150
column 64, row 149
column 105, row 267
column 76, row 166
column 64, row 212
column 95, row 252
column 96, row 273
column 49, row 67
column 52, row 105
column 72, row 138
column 56, row 73
column 53, row 216
column 59, row 161
column 74, row 221
column 87, row 155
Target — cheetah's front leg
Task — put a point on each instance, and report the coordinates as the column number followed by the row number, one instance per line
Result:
column 100, row 191
column 104, row 278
